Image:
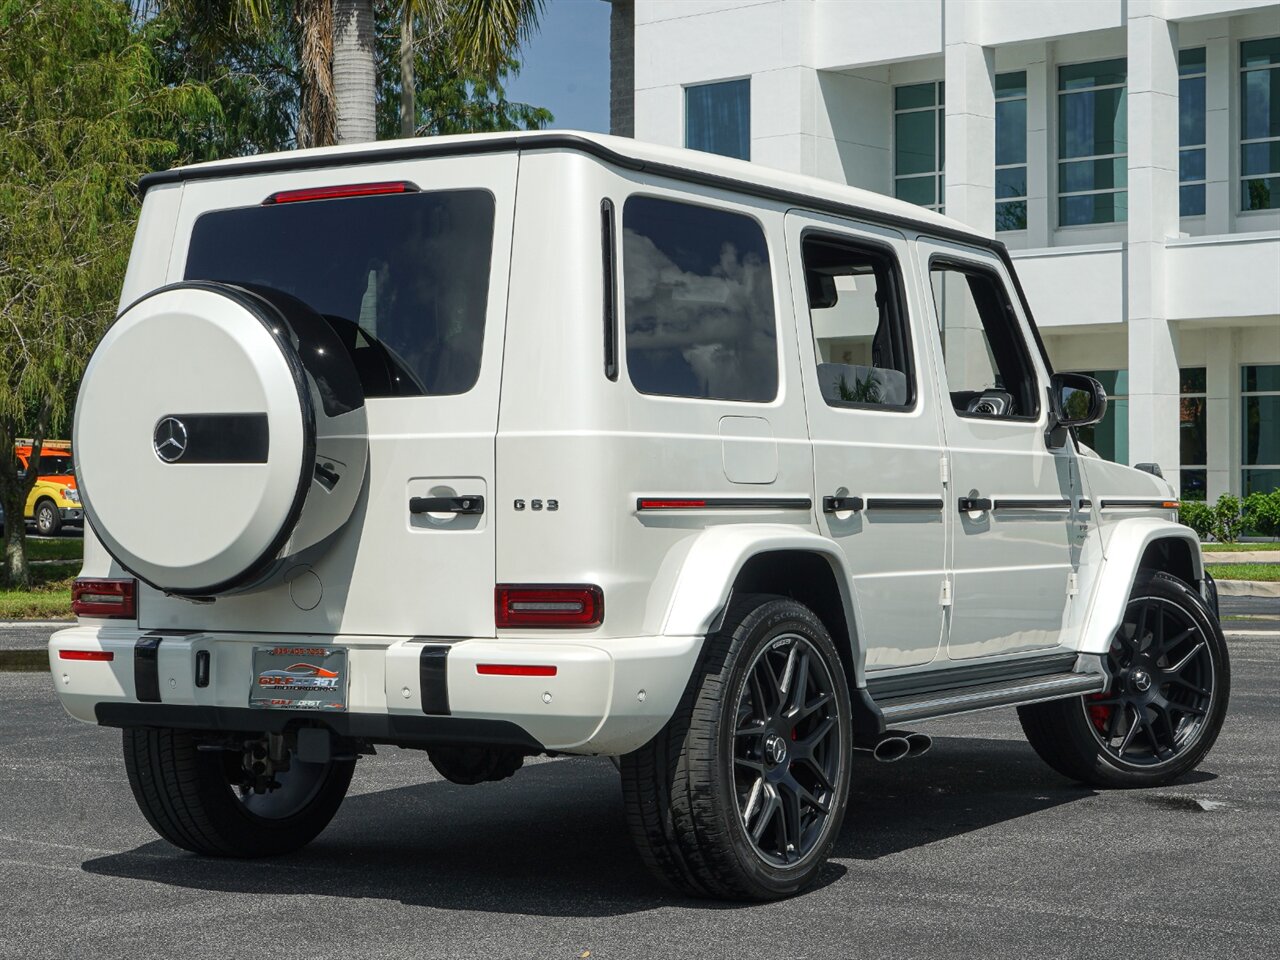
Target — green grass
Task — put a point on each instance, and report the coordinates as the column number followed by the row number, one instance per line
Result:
column 1246, row 571
column 69, row 549
column 1237, row 547
column 49, row 597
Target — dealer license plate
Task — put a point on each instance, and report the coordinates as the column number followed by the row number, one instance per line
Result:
column 299, row 678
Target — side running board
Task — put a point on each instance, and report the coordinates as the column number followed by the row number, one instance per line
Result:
column 1002, row 693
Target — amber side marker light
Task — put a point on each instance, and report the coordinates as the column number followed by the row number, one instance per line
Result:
column 341, row 191
column 545, row 605
column 116, row 598
column 1171, row 504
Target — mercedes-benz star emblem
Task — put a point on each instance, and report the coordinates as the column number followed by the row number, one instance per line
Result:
column 1142, row 681
column 170, row 439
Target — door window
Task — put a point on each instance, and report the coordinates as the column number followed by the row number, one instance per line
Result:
column 988, row 370
column 859, row 325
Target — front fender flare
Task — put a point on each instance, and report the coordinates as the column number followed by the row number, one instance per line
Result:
column 1126, row 544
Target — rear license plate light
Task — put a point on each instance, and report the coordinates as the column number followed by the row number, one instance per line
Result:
column 540, row 605
column 115, row 599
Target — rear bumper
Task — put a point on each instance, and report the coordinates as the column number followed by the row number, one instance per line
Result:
column 607, row 696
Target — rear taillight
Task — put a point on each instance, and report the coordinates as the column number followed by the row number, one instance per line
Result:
column 104, row 598
column 536, row 605
column 101, row 656
column 342, row 190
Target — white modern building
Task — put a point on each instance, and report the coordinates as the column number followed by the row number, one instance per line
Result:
column 1127, row 151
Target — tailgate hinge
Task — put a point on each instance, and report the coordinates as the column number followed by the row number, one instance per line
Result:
column 945, row 598
column 944, row 466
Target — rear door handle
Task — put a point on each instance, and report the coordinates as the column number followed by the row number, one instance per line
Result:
column 968, row 504
column 464, row 505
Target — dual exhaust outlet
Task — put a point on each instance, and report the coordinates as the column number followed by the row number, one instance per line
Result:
column 893, row 745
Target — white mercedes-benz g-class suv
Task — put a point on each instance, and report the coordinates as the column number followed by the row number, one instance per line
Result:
column 505, row 445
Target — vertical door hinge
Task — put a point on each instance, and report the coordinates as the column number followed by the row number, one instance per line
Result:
column 945, row 466
column 945, row 599
column 1073, row 585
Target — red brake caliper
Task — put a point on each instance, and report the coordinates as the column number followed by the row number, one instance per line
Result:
column 1100, row 714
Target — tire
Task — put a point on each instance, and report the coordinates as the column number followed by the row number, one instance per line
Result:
column 1171, row 681
column 48, row 520
column 188, row 797
column 688, row 792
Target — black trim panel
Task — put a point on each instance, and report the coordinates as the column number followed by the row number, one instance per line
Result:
column 219, row 437
column 893, row 503
column 728, row 503
column 968, row 675
column 1032, row 505
column 146, row 670
column 1136, row 504
column 400, row 730
column 608, row 249
column 433, row 679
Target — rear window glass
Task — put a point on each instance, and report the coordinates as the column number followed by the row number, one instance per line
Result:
column 699, row 302
column 403, row 280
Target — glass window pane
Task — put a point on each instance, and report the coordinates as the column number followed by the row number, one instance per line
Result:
column 914, row 95
column 1258, row 53
column 718, row 118
column 942, row 139
column 913, row 142
column 916, row 190
column 1191, row 111
column 1191, row 431
column 1194, row 484
column 1259, row 104
column 1011, row 84
column 1260, row 194
column 1011, row 182
column 1260, row 378
column 1192, row 380
column 1258, row 158
column 1092, row 123
column 1011, row 215
column 1261, row 422
column 402, row 279
column 1191, row 164
column 1110, row 438
column 1093, row 175
column 1093, row 208
column 1191, row 61
column 698, row 301
column 1011, row 132
column 1098, row 73
column 1260, row 481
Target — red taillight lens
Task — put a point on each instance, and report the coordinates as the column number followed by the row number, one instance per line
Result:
column 515, row 670
column 344, row 190
column 104, row 598
column 671, row 504
column 102, row 655
column 548, row 606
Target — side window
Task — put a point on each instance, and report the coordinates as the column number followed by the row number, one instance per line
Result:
column 699, row 302
column 989, row 371
column 859, row 325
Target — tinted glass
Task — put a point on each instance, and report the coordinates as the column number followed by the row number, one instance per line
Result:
column 1260, row 53
column 1191, row 430
column 913, row 96
column 1011, row 182
column 53, row 464
column 859, row 325
column 718, row 118
column 1093, row 208
column 1258, row 158
column 403, row 280
column 699, row 302
column 1194, row 484
column 915, row 190
column 1096, row 74
column 1191, row 200
column 1011, row 131
column 1192, row 379
column 1262, row 193
column 1191, row 111
column 1191, row 164
column 914, row 144
column 1093, row 175
column 1260, row 481
column 1191, row 61
column 1011, row 84
column 1261, row 422
column 1257, row 378
column 1011, row 215
column 1259, row 104
column 1092, row 123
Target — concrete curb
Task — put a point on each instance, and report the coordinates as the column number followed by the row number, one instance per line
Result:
column 1244, row 556
column 1248, row 588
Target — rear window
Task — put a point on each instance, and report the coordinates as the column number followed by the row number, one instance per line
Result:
column 403, row 280
column 699, row 302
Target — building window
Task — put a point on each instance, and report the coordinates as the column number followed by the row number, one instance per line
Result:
column 717, row 118
column 1011, row 151
column 1191, row 134
column 1110, row 438
column 919, row 144
column 698, row 302
column 1192, row 445
column 1092, row 143
column 1260, row 423
column 1260, row 124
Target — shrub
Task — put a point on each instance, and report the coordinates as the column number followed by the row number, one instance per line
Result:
column 1197, row 515
column 1262, row 513
column 1226, row 518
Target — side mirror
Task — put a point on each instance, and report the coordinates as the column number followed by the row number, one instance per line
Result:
column 1076, row 400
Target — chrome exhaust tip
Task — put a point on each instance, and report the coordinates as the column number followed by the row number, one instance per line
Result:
column 891, row 748
column 919, row 744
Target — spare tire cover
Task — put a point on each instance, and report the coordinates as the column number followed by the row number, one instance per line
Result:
column 200, row 434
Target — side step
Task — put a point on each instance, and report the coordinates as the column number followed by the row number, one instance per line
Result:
column 1004, row 693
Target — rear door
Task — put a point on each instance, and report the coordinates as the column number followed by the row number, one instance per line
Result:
column 414, row 278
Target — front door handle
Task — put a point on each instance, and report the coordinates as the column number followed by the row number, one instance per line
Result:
column 840, row 504
column 463, row 505
column 968, row 504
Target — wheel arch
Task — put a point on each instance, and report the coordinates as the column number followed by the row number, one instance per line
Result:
column 1136, row 544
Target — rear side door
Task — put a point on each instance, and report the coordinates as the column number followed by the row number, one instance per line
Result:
column 1013, row 500
column 415, row 281
column 874, row 426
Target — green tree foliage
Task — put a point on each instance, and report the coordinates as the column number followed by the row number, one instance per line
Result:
column 1262, row 513
column 83, row 114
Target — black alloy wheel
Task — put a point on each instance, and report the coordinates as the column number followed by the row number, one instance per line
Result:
column 787, row 750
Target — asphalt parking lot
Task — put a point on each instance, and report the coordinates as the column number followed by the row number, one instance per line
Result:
column 976, row 850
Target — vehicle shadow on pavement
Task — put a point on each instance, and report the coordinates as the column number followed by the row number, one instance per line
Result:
column 553, row 840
